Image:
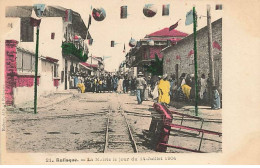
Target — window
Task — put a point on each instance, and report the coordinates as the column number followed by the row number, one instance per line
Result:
column 55, row 70
column 25, row 61
column 26, row 31
column 52, row 36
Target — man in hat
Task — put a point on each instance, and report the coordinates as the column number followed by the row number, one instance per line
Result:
column 164, row 90
column 140, row 86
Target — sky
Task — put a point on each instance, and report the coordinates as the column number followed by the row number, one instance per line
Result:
column 136, row 25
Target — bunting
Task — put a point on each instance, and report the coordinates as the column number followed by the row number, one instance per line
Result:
column 90, row 41
column 189, row 18
column 218, row 7
column 190, row 53
column 123, row 12
column 174, row 25
column 68, row 16
column 216, row 45
column 166, row 10
column 39, row 9
column 35, row 20
column 112, row 43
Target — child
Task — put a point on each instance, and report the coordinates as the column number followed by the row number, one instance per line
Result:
column 216, row 99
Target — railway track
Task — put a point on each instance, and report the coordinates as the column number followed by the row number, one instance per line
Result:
column 119, row 137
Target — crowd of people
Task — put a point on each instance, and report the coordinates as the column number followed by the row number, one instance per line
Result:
column 108, row 83
column 169, row 88
column 162, row 89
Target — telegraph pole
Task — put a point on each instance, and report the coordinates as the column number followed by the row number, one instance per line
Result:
column 36, row 70
column 211, row 60
column 195, row 60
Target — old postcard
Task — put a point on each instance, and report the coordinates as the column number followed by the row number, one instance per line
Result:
column 129, row 82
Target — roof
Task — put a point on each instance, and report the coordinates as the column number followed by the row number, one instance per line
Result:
column 166, row 33
column 89, row 65
column 163, row 39
column 50, row 11
column 50, row 59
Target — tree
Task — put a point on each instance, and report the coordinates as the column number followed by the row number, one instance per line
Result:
column 156, row 67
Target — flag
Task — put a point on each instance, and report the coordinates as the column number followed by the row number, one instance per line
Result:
column 68, row 16
column 124, row 49
column 178, row 57
column 165, row 10
column 174, row 25
column 190, row 53
column 106, row 57
column 189, row 18
column 123, row 12
column 219, row 7
column 35, row 22
column 89, row 21
column 39, row 9
column 52, row 36
column 90, row 41
column 112, row 43
column 216, row 45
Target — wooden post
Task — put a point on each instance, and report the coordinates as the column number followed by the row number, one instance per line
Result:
column 36, row 70
column 195, row 60
column 210, row 49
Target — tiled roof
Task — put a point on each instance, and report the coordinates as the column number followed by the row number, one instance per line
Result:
column 89, row 65
column 166, row 33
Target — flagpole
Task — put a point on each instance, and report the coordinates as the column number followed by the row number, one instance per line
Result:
column 36, row 70
column 195, row 60
column 211, row 60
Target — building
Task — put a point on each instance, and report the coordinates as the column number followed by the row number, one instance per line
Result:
column 144, row 52
column 97, row 65
column 61, row 48
column 179, row 58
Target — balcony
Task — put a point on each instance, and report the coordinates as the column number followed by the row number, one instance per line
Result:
column 71, row 49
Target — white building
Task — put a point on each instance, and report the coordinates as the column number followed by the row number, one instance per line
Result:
column 61, row 48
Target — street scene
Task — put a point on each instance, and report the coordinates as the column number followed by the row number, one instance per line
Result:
column 101, row 81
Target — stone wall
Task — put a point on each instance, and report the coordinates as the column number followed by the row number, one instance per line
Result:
column 178, row 55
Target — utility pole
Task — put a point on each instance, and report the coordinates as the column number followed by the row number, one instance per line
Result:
column 195, row 60
column 36, row 70
column 211, row 60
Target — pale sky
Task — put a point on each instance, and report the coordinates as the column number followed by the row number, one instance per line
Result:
column 136, row 25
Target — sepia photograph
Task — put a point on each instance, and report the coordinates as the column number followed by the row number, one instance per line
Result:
column 122, row 82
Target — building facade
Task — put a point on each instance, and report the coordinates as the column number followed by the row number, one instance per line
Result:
column 146, row 49
column 61, row 48
column 179, row 58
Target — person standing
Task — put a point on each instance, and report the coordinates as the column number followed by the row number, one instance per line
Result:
column 203, row 87
column 109, row 83
column 120, row 85
column 140, row 86
column 114, row 79
column 164, row 90
column 172, row 85
column 133, row 86
column 216, row 99
column 155, row 92
column 192, row 85
column 125, row 84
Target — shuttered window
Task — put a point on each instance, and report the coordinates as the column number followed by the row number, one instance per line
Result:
column 25, row 61
column 27, row 30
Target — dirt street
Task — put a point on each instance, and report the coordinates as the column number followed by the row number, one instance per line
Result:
column 79, row 124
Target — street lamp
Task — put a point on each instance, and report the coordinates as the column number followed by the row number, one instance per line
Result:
column 35, row 21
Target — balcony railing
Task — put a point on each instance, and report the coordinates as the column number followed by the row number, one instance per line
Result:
column 70, row 49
